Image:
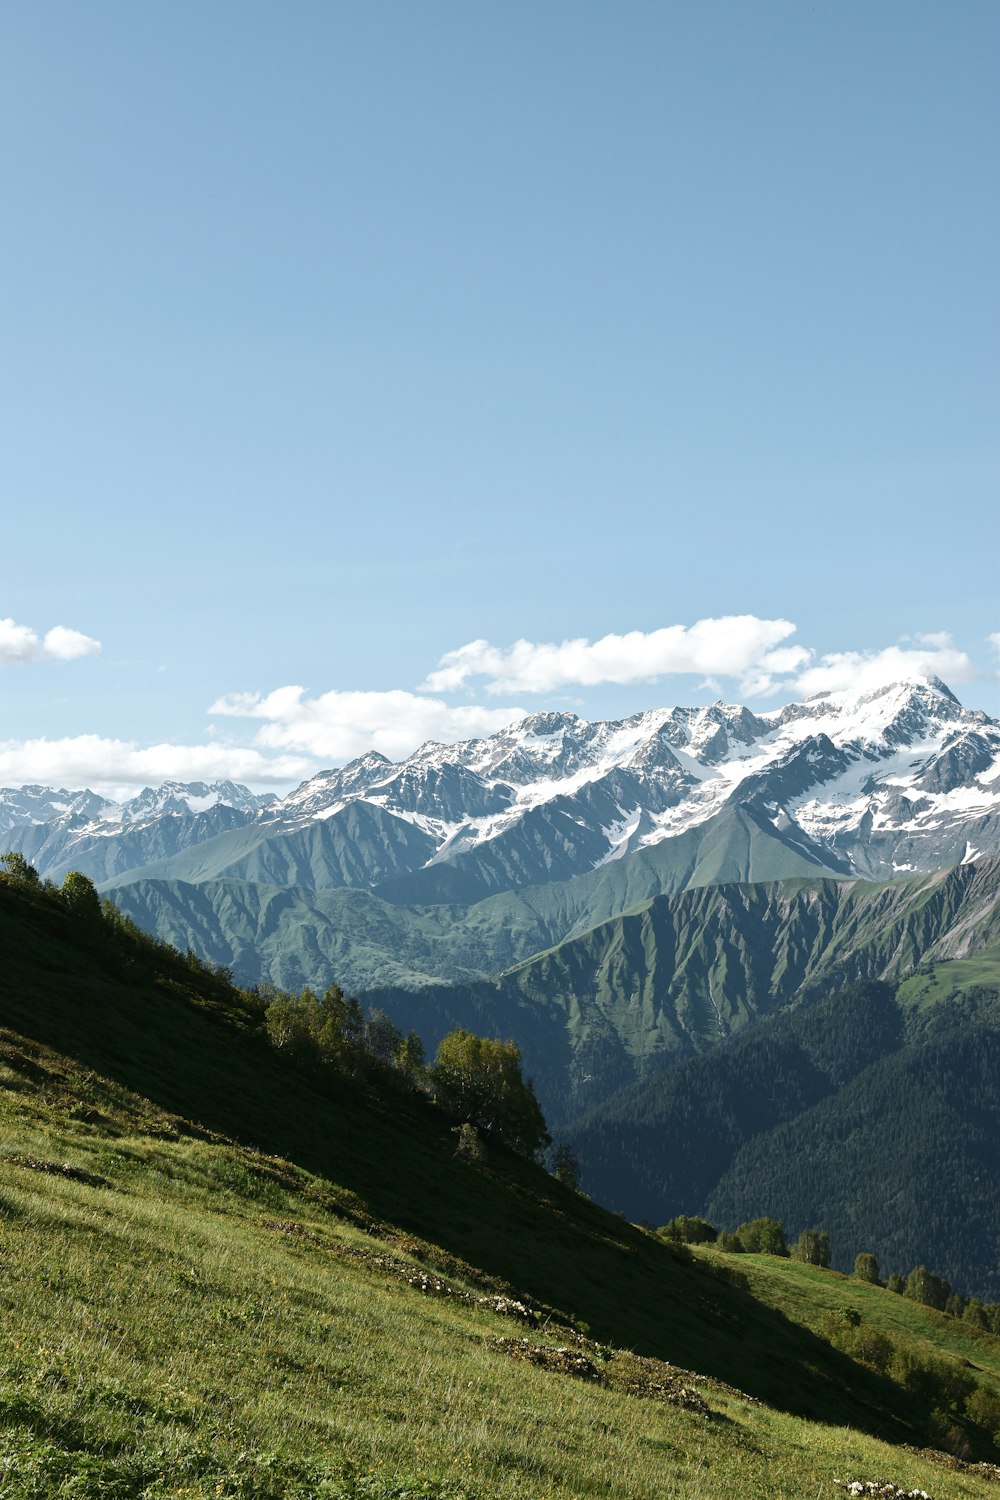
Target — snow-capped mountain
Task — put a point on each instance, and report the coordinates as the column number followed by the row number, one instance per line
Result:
column 894, row 781
column 62, row 830
column 900, row 779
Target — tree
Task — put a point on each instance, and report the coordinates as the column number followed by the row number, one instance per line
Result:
column 813, row 1247
column 763, row 1237
column 340, row 1036
column 480, row 1079
column 564, row 1166
column 866, row 1268
column 293, row 1024
column 383, row 1039
column 410, row 1058
column 923, row 1286
column 17, row 869
column 975, row 1313
column 80, row 896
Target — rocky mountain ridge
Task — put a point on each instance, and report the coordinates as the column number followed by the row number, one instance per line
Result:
column 891, row 782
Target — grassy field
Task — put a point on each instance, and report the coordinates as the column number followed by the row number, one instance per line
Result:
column 934, row 984
column 221, row 1278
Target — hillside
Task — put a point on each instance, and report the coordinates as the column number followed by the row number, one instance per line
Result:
column 225, row 1277
column 683, row 972
column 872, row 1112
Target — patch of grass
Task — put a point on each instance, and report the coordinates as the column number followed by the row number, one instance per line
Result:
column 935, row 984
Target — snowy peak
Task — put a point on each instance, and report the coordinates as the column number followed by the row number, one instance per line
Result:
column 827, row 771
column 886, row 781
column 184, row 798
column 33, row 805
column 892, row 714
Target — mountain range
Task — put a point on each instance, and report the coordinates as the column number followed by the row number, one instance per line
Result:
column 894, row 781
column 655, row 909
column 466, row 862
column 613, row 895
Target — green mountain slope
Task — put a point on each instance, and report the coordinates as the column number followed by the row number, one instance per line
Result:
column 601, row 1009
column 264, row 935
column 685, row 971
column 360, row 846
column 903, row 1157
column 225, row 1277
column 447, row 939
column 864, row 1113
column 293, row 936
column 365, row 846
column 738, row 843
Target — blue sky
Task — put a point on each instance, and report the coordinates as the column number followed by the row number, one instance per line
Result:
column 338, row 337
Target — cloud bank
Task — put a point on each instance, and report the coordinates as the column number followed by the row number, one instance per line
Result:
column 861, row 671
column 338, row 726
column 20, row 646
column 741, row 646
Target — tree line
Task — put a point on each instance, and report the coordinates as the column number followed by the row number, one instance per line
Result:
column 766, row 1236
column 476, row 1080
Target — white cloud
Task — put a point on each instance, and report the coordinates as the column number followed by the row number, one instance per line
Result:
column 118, row 767
column 731, row 646
column 19, row 644
column 994, row 641
column 338, row 726
column 863, row 671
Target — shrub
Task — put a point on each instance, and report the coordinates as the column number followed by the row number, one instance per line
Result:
column 689, row 1231
column 470, row 1147
column 983, row 1407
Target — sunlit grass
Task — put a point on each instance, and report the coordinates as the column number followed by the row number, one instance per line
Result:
column 159, row 1338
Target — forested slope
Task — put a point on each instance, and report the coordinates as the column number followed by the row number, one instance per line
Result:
column 863, row 1114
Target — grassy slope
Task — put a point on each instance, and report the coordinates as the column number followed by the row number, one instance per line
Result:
column 936, row 984
column 183, row 1315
